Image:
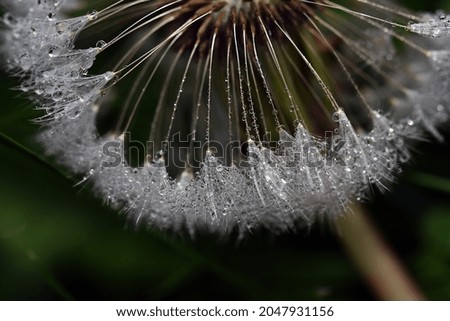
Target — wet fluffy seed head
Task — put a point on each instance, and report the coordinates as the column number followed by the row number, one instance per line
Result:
column 232, row 114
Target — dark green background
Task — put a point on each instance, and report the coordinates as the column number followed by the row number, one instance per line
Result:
column 59, row 242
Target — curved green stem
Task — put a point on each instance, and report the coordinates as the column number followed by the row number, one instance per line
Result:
column 377, row 263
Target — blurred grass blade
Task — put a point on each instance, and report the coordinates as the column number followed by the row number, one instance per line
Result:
column 430, row 181
column 9, row 142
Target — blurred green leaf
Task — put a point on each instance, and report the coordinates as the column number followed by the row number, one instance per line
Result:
column 27, row 152
column 433, row 266
column 434, row 182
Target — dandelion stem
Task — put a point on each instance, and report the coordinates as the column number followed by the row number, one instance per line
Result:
column 377, row 263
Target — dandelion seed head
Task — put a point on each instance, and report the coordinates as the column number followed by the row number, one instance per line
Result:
column 231, row 114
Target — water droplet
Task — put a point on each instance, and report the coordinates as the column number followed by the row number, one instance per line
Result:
column 9, row 20
column 100, row 44
column 25, row 62
column 76, row 113
column 115, row 79
column 391, row 134
column 61, row 27
column 57, row 96
column 404, row 157
column 53, row 51
column 92, row 15
column 74, row 74
column 336, row 117
column 159, row 155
